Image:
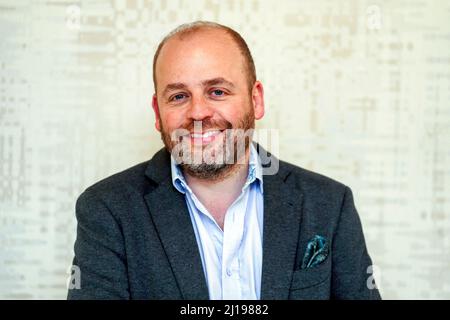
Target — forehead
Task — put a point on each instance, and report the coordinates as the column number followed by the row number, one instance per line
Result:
column 203, row 54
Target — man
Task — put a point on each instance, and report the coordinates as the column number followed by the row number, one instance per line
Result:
column 201, row 220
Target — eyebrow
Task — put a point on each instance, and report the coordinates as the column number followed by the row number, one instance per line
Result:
column 204, row 83
column 173, row 86
column 217, row 81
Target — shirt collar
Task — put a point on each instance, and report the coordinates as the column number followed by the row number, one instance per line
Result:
column 254, row 172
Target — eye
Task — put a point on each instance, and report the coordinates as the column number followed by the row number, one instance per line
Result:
column 218, row 93
column 177, row 97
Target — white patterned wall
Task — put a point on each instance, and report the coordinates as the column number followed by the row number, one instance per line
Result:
column 359, row 91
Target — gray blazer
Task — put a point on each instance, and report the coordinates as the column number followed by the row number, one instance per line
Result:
column 135, row 239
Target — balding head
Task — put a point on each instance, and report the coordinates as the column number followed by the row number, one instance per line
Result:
column 186, row 31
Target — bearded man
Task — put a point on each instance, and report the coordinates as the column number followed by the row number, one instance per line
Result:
column 208, row 217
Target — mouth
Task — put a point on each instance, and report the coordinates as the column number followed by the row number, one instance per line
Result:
column 202, row 138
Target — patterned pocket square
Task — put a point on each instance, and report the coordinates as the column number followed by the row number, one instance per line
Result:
column 316, row 252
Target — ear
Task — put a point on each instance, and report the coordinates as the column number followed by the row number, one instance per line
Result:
column 258, row 99
column 156, row 111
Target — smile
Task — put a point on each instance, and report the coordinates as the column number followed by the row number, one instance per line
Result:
column 205, row 137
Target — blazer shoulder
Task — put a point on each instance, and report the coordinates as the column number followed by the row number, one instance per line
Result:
column 314, row 183
column 131, row 180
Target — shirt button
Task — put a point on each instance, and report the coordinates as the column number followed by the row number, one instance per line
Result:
column 229, row 273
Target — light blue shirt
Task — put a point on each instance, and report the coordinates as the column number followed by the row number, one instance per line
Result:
column 231, row 259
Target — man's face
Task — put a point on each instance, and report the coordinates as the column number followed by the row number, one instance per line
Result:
column 202, row 87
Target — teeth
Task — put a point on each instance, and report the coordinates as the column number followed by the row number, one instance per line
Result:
column 205, row 135
column 210, row 133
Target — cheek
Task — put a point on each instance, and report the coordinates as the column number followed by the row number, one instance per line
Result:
column 171, row 120
column 237, row 111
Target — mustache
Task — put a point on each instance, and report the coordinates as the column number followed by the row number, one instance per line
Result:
column 207, row 124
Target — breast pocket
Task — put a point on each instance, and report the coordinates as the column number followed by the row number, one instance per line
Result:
column 311, row 277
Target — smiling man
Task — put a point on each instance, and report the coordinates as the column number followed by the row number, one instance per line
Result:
column 205, row 218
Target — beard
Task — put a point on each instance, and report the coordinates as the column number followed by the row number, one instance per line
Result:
column 219, row 157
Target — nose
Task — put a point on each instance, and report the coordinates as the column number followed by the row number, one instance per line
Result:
column 199, row 109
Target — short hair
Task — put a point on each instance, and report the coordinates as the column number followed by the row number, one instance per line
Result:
column 190, row 28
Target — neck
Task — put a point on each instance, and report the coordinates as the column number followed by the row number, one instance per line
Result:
column 217, row 195
column 227, row 182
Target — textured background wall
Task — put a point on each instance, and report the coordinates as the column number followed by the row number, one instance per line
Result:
column 359, row 91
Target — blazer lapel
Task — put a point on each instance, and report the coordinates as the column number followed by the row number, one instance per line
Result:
column 282, row 213
column 171, row 217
